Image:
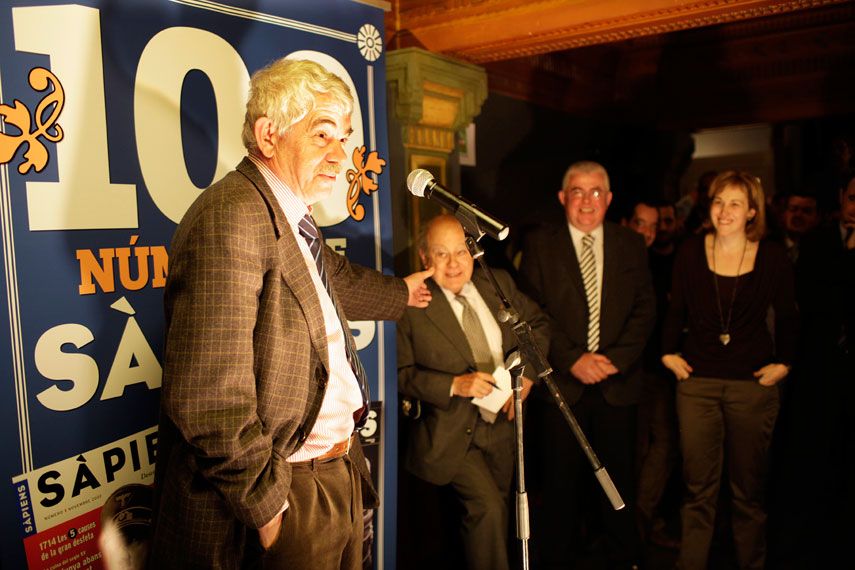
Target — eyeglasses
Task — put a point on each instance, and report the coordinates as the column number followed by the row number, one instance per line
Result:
column 579, row 194
column 444, row 256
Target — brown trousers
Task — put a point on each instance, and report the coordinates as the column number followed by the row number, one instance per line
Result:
column 717, row 418
column 322, row 527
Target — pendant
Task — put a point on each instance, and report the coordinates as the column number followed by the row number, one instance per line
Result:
column 724, row 338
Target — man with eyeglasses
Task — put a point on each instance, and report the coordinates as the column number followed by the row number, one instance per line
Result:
column 448, row 354
column 592, row 278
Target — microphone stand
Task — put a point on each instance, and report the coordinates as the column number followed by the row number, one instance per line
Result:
column 534, row 356
column 523, row 528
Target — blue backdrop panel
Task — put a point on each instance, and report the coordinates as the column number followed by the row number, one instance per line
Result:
column 116, row 115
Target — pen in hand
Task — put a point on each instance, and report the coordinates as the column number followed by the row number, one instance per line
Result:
column 471, row 389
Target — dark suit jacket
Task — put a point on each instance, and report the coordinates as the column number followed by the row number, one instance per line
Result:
column 432, row 349
column 825, row 289
column 245, row 368
column 549, row 273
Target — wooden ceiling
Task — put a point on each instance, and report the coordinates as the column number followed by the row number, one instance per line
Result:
column 650, row 60
column 482, row 31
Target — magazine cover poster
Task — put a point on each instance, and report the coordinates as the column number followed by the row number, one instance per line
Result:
column 114, row 116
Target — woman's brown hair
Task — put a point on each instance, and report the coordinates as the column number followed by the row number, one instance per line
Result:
column 755, row 229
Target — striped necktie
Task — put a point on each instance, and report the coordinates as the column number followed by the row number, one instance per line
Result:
column 588, row 267
column 312, row 235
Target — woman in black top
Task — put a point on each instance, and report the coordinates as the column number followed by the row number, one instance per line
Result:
column 729, row 337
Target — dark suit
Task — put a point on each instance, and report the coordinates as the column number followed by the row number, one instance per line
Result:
column 825, row 281
column 449, row 443
column 822, row 392
column 550, row 273
column 245, row 369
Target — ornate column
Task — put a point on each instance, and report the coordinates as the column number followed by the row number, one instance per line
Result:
column 431, row 98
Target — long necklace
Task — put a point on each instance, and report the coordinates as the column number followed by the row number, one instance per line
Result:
column 724, row 337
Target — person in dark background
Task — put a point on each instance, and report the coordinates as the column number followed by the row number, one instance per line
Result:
column 668, row 231
column 657, row 422
column 800, row 216
column 824, row 384
column 728, row 365
column 693, row 209
column 643, row 219
column 835, row 166
column 592, row 279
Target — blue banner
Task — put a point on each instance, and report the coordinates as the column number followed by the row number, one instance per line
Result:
column 115, row 116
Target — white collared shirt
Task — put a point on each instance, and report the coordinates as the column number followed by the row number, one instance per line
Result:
column 343, row 395
column 577, row 235
column 488, row 321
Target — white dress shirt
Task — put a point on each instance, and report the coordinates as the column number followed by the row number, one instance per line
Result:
column 343, row 395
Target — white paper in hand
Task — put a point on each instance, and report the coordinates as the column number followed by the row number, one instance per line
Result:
column 494, row 401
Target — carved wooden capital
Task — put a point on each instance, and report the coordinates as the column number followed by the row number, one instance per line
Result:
column 433, row 96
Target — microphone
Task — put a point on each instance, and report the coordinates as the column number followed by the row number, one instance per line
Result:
column 422, row 184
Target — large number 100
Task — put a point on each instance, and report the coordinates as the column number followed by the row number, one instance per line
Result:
column 83, row 197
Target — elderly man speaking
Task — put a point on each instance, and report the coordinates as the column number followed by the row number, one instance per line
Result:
column 258, row 464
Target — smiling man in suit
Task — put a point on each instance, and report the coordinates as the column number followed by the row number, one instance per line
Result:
column 258, row 464
column 592, row 279
column 446, row 356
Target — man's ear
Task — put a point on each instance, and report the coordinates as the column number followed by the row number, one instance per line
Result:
column 425, row 260
column 265, row 136
column 562, row 196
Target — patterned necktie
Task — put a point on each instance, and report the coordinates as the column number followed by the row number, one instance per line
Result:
column 312, row 235
column 478, row 344
column 588, row 267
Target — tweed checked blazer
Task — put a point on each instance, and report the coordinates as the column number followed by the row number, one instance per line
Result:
column 245, row 368
column 432, row 349
column 549, row 272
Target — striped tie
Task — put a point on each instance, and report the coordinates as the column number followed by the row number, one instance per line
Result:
column 312, row 235
column 588, row 267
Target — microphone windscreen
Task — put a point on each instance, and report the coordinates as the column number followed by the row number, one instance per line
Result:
column 418, row 181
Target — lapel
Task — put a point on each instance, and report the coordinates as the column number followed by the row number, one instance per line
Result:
column 293, row 267
column 611, row 268
column 439, row 312
column 564, row 255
